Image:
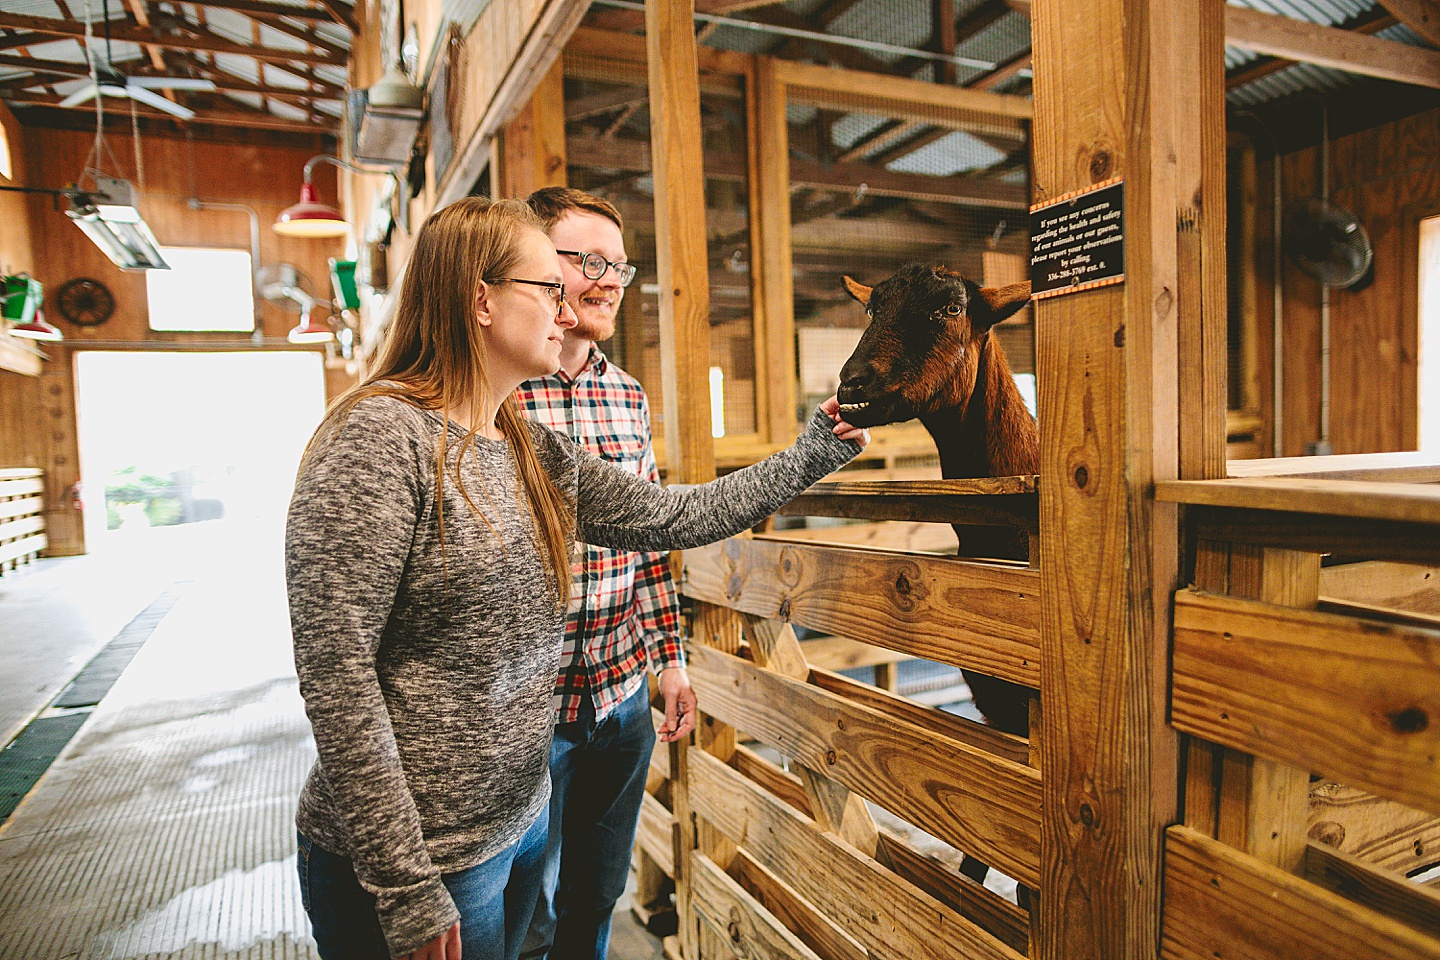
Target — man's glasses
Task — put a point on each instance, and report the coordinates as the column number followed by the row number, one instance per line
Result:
column 593, row 266
column 556, row 291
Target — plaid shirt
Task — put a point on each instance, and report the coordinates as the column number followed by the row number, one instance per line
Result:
column 624, row 610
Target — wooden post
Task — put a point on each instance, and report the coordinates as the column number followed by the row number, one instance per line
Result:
column 681, row 258
column 530, row 150
column 774, row 289
column 1118, row 92
column 680, row 249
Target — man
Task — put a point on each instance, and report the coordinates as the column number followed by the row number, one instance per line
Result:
column 625, row 614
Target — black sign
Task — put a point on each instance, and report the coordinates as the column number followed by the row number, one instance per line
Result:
column 1077, row 241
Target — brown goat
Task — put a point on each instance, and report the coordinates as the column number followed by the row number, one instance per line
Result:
column 930, row 353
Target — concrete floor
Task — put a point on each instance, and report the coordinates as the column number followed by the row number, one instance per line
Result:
column 165, row 827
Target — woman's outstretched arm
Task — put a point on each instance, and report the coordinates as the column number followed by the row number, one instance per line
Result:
column 616, row 509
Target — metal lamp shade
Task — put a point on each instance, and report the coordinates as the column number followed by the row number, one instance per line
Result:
column 311, row 218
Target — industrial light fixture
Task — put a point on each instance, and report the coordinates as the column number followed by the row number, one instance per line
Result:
column 109, row 217
column 20, row 299
column 386, row 119
column 311, row 218
column 37, row 329
column 310, row 330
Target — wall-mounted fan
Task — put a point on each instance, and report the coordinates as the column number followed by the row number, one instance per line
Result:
column 1327, row 242
column 107, row 81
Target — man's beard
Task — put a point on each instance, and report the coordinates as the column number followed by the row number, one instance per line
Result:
column 591, row 326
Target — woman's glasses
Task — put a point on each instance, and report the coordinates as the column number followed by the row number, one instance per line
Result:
column 555, row 290
column 593, row 266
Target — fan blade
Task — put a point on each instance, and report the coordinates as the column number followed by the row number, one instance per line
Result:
column 160, row 103
column 170, row 83
column 84, row 94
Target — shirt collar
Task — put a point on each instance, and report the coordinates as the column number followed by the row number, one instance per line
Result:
column 595, row 362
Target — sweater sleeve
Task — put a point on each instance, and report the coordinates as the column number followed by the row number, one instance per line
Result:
column 617, row 509
column 352, row 519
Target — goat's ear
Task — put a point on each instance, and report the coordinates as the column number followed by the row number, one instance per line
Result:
column 858, row 290
column 990, row 305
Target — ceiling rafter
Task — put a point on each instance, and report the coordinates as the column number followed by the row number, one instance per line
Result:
column 236, row 117
column 272, row 9
column 1421, row 16
column 207, row 41
column 1328, row 47
column 227, row 81
column 1370, row 22
column 626, row 20
column 298, row 33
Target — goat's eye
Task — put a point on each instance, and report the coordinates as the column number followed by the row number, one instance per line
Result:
column 952, row 310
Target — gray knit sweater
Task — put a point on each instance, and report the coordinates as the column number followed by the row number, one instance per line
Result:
column 428, row 670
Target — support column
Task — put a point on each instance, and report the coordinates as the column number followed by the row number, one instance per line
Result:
column 1118, row 92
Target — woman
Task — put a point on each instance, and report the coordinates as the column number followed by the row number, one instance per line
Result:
column 428, row 566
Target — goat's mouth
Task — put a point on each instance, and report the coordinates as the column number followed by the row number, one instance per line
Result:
column 875, row 412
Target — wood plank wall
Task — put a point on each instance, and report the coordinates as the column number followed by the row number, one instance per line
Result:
column 17, row 253
column 1389, row 176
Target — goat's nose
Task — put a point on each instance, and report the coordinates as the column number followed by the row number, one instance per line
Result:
column 855, row 379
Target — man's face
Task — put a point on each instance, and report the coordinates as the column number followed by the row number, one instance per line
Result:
column 595, row 301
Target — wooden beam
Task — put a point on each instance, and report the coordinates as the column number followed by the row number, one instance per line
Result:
column 680, row 250
column 293, row 11
column 884, row 913
column 622, row 21
column 1220, row 902
column 59, row 67
column 854, row 90
column 772, row 282
column 1369, row 23
column 68, row 28
column 531, row 147
column 235, row 118
column 1001, row 74
column 1421, row 16
column 1373, row 729
column 975, row 615
column 943, row 37
column 1292, row 39
column 309, row 36
column 342, row 13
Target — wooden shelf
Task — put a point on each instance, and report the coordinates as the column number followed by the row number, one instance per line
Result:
column 1001, row 501
column 1404, row 467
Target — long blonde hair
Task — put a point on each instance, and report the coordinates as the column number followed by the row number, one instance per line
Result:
column 434, row 358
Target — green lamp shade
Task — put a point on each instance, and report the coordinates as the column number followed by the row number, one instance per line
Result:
column 342, row 275
column 23, row 297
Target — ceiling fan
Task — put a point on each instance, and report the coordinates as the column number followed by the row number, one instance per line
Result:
column 106, row 80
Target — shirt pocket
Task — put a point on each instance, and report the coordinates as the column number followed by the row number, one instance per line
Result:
column 624, row 447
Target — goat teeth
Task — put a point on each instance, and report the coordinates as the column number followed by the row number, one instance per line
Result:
column 852, row 407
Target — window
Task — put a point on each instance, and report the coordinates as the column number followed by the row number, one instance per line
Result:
column 204, row 289
column 1428, row 376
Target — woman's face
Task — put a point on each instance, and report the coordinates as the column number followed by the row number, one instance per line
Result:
column 525, row 332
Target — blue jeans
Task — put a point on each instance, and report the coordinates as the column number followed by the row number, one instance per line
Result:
column 597, row 774
column 494, row 899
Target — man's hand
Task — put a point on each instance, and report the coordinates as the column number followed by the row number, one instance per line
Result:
column 444, row 947
column 679, row 704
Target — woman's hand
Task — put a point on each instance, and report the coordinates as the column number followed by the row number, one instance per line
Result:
column 444, row 947
column 843, row 430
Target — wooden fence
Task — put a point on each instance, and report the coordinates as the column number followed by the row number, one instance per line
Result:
column 22, row 516
column 1274, row 685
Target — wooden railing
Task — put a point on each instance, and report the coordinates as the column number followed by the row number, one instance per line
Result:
column 790, row 862
column 22, row 516
column 1274, row 683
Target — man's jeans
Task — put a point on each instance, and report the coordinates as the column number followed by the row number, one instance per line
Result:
column 494, row 899
column 597, row 774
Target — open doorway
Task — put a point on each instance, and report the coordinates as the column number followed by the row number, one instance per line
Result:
column 184, row 454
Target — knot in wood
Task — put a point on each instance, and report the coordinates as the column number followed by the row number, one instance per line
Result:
column 1087, row 815
column 732, row 587
column 1099, row 165
column 1409, row 720
column 785, row 609
column 831, row 758
column 734, row 925
column 1328, row 832
column 1082, row 476
column 902, row 585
